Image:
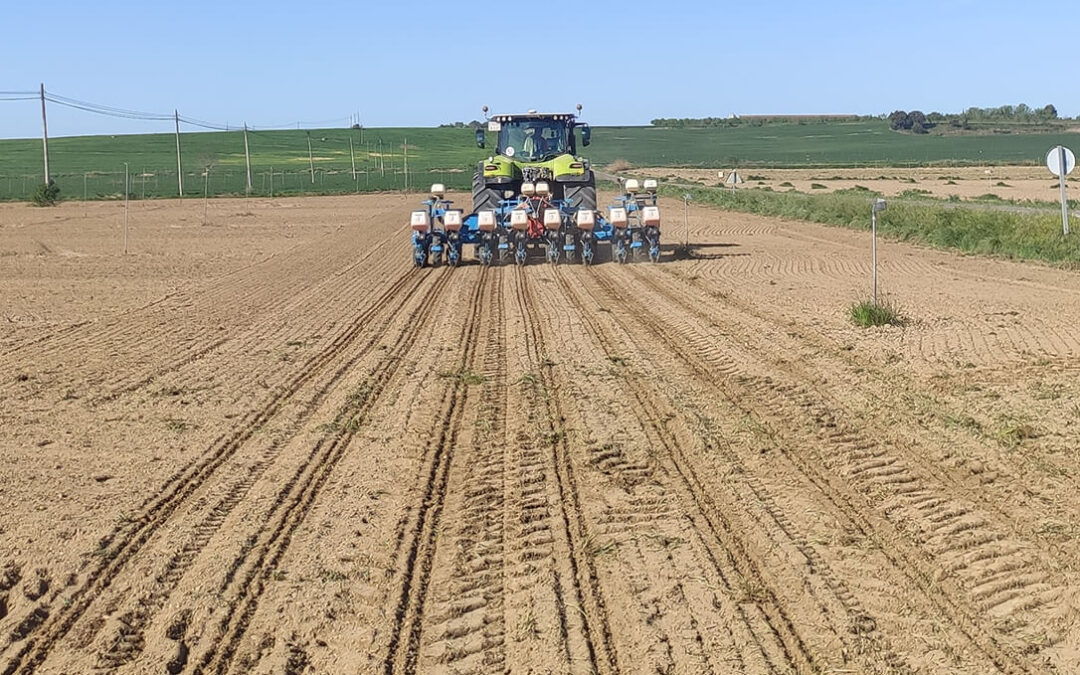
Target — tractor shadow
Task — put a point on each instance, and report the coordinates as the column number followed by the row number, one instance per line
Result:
column 698, row 252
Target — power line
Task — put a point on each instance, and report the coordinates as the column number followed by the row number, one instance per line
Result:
column 100, row 109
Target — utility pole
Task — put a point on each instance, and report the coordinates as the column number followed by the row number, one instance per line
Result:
column 247, row 158
column 44, row 134
column 311, row 160
column 352, row 154
column 126, row 191
column 179, row 163
column 405, row 165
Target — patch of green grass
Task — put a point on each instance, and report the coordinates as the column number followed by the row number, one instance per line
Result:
column 176, row 425
column 1028, row 236
column 914, row 193
column 467, row 377
column 867, row 314
column 1013, row 432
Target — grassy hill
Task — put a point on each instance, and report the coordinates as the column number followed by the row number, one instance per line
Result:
column 94, row 165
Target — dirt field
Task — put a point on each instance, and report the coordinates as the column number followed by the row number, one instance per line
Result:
column 1020, row 183
column 266, row 444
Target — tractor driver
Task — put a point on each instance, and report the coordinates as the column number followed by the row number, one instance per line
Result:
column 534, row 145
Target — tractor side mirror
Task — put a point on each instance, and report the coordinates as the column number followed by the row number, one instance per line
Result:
column 479, row 138
column 586, row 136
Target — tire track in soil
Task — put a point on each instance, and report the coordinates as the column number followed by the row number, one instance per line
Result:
column 127, row 539
column 130, row 639
column 675, row 591
column 122, row 336
column 733, row 559
column 351, row 281
column 296, row 498
column 403, row 650
column 1001, row 574
column 968, row 541
column 874, row 384
column 591, row 619
column 465, row 627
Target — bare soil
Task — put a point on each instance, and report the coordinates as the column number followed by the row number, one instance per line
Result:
column 261, row 442
column 1017, row 183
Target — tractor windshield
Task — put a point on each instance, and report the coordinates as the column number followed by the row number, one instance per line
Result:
column 533, row 140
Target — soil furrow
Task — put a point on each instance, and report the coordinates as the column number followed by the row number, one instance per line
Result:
column 729, row 554
column 952, row 527
column 404, row 647
column 587, row 594
column 297, row 497
column 751, row 393
column 465, row 628
column 121, row 545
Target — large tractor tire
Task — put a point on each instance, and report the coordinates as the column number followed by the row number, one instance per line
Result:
column 581, row 195
column 484, row 198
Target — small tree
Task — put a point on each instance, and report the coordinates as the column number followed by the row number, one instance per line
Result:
column 918, row 121
column 898, row 119
column 46, row 194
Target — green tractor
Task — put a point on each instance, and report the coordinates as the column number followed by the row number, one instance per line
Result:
column 530, row 148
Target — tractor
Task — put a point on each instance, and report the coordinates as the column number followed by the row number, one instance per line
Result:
column 535, row 194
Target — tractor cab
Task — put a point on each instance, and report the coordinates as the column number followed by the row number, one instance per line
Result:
column 534, row 140
column 534, row 137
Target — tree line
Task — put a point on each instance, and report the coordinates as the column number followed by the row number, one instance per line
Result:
column 918, row 122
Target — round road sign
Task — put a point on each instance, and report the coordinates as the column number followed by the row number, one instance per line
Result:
column 1053, row 161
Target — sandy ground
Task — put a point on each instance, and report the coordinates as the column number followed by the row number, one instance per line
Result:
column 267, row 444
column 1019, row 183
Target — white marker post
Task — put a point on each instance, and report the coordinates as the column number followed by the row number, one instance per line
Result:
column 875, row 208
column 1061, row 161
column 686, row 221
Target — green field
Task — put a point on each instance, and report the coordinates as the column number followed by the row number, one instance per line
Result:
column 93, row 166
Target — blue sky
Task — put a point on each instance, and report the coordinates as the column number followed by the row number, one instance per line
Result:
column 412, row 63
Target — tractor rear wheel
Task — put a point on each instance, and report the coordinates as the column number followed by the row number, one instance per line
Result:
column 581, row 195
column 483, row 197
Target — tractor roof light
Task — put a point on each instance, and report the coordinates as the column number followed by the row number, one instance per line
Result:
column 438, row 190
column 543, row 188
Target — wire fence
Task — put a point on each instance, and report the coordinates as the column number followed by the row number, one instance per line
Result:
column 97, row 185
column 227, row 160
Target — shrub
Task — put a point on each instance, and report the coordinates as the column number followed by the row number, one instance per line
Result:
column 817, row 186
column 914, row 193
column 867, row 314
column 619, row 165
column 786, row 184
column 46, row 194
